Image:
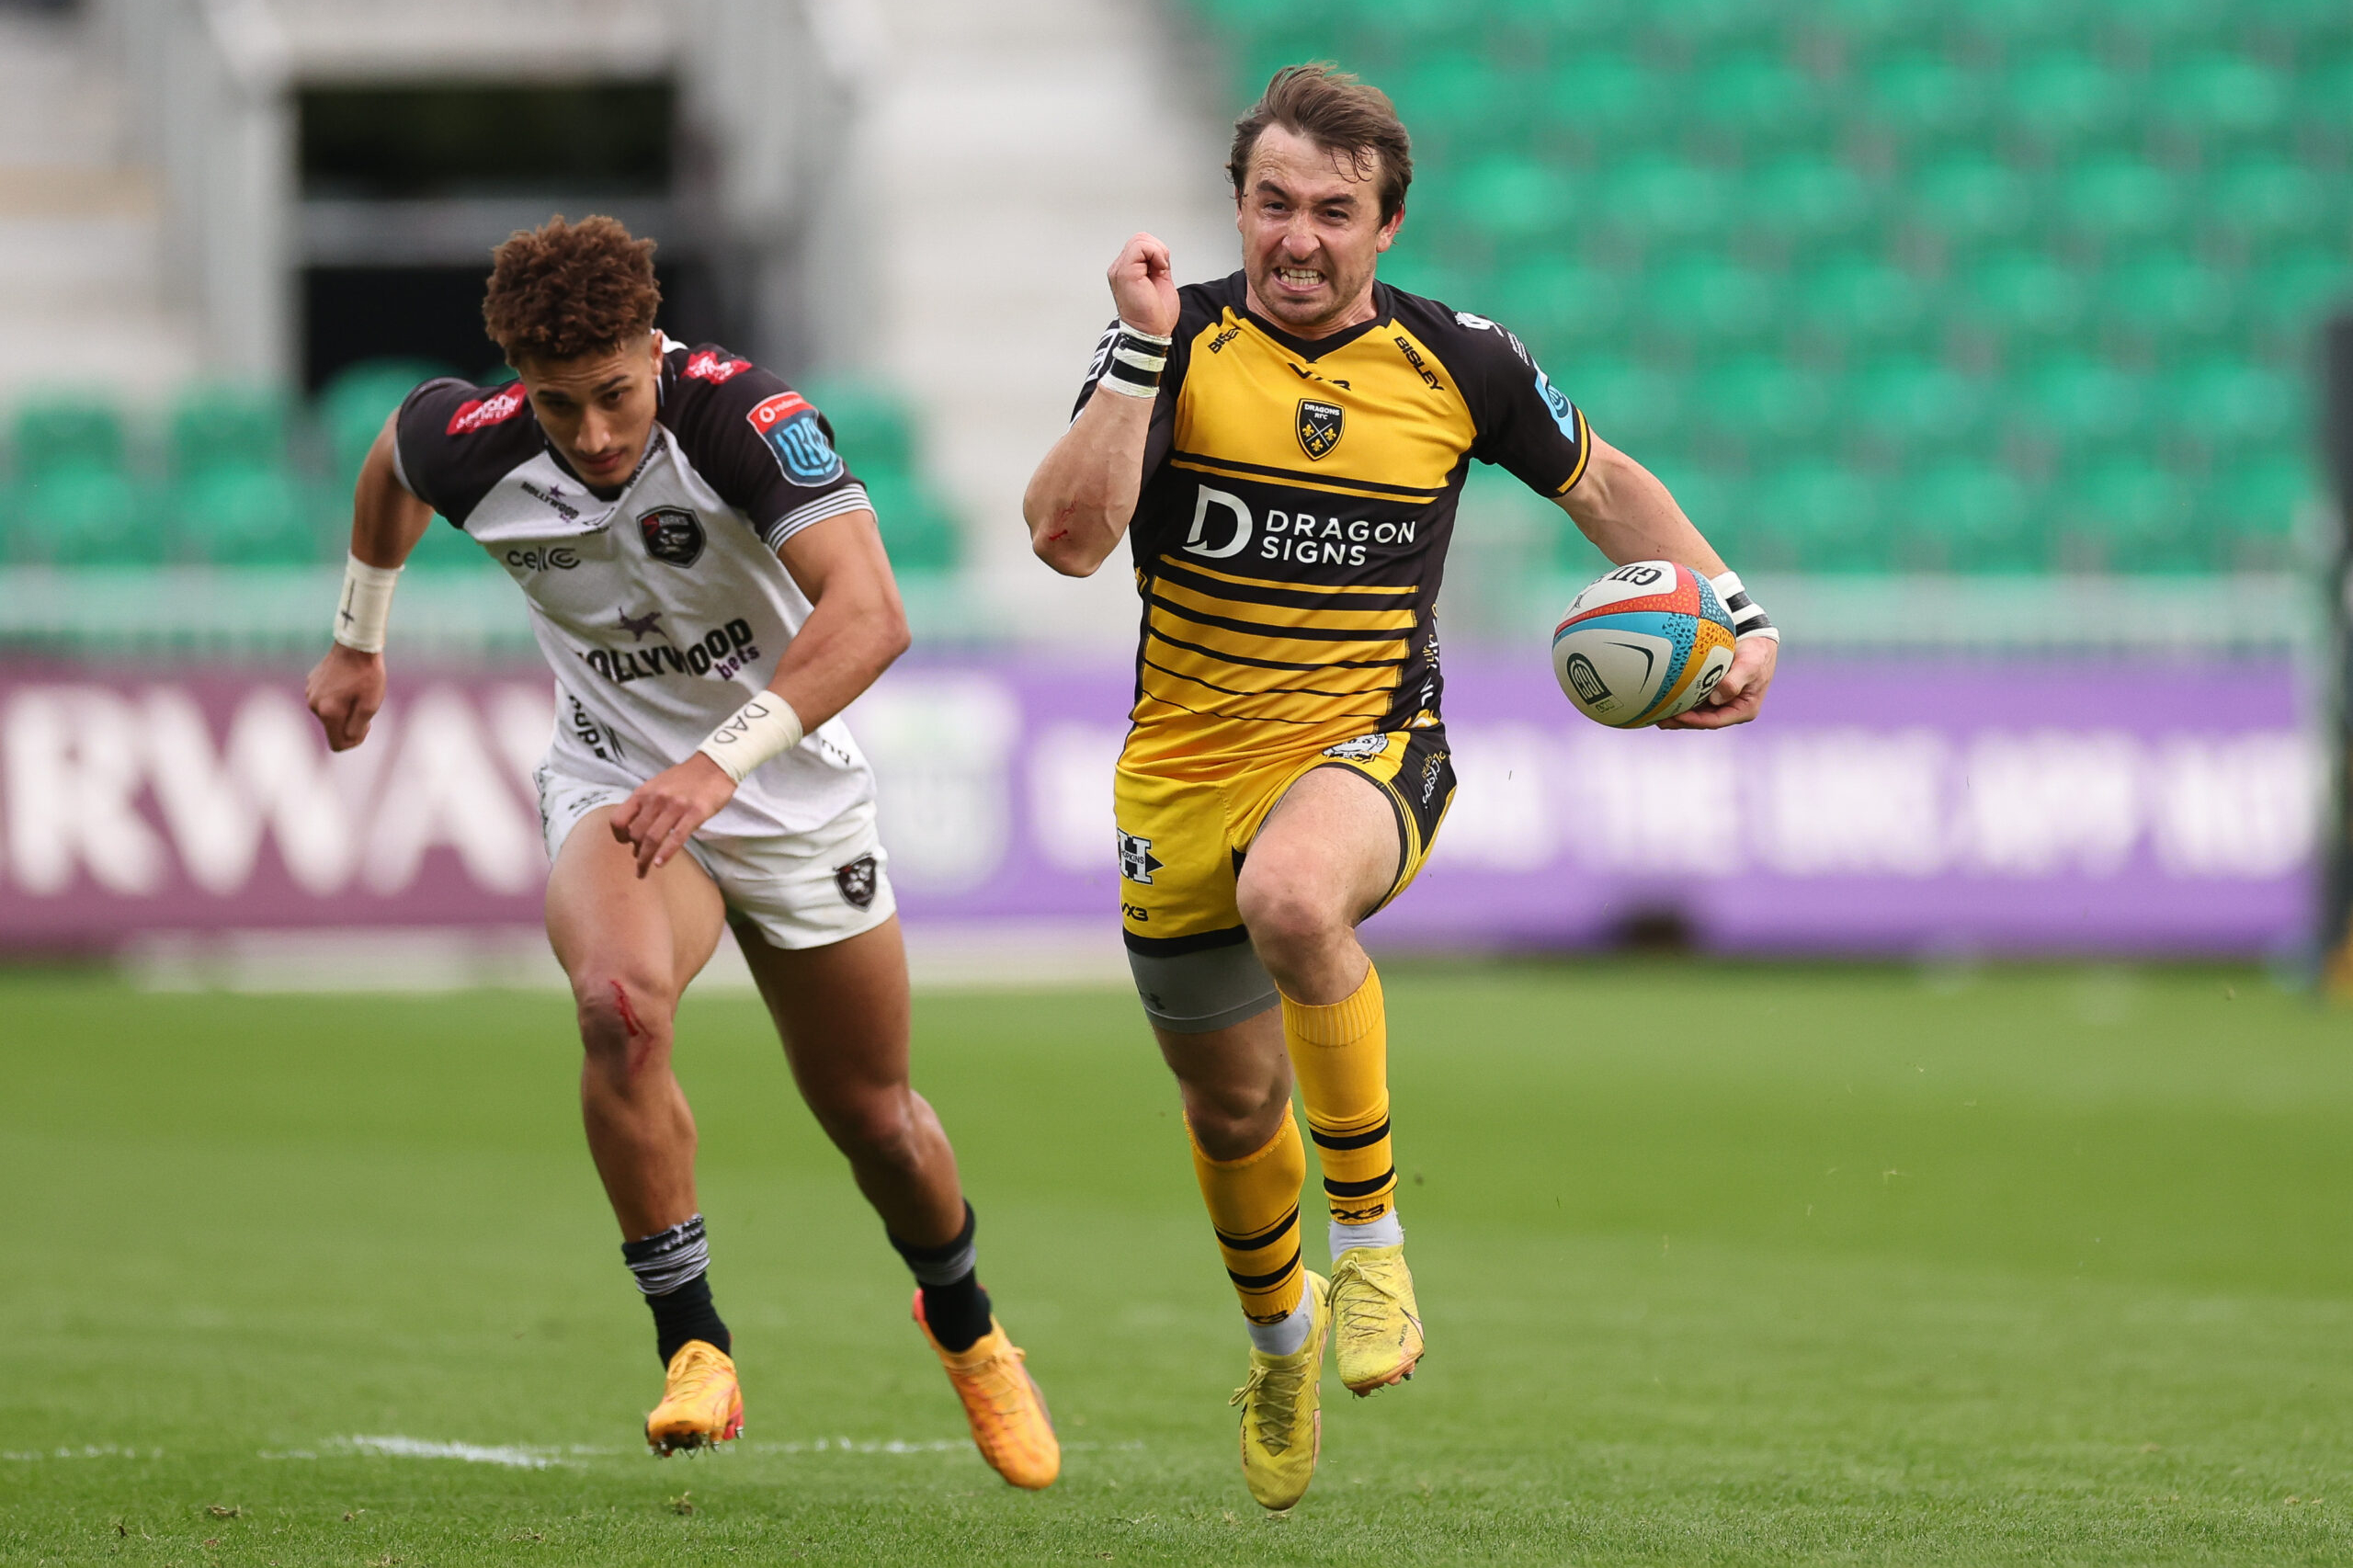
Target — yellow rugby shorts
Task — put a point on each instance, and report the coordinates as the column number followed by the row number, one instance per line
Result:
column 1182, row 840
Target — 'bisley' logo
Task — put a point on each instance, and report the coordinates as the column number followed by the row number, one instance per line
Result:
column 477, row 413
column 1319, row 427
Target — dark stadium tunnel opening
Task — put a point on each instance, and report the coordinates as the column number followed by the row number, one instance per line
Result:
column 353, row 313
column 488, row 139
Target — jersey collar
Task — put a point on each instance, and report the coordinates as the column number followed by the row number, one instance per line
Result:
column 1314, row 348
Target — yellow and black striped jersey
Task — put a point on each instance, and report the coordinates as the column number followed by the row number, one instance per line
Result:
column 1298, row 498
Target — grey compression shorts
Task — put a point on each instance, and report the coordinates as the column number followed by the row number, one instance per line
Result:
column 1208, row 989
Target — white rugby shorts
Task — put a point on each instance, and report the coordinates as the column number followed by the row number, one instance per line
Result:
column 802, row 890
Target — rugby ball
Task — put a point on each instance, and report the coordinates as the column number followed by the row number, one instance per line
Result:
column 1643, row 643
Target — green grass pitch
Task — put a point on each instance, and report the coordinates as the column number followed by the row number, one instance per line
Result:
column 1719, row 1264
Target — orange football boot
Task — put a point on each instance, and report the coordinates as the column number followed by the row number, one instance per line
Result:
column 1011, row 1426
column 701, row 1403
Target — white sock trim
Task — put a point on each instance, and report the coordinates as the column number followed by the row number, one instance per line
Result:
column 1288, row 1337
column 1386, row 1231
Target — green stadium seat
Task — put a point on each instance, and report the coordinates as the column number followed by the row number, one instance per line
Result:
column 1925, row 99
column 356, row 401
column 2324, row 92
column 1804, row 201
column 2267, row 200
column 85, row 515
column 1555, row 303
column 1765, row 403
column 2012, row 23
column 1813, row 515
column 871, row 429
column 2162, row 24
column 1568, row 25
column 1702, row 296
column 1866, row 26
column 919, row 535
column 1704, row 26
column 1632, row 405
column 2233, row 405
column 1966, row 515
column 2077, row 403
column 2064, row 98
column 244, row 515
column 2257, row 508
column 2024, row 298
column 66, row 430
column 1916, row 404
column 1861, row 302
column 2213, row 96
column 1457, row 100
column 2289, row 296
column 1412, row 267
column 1755, row 99
column 2125, row 514
column 2168, row 299
column 2118, row 199
column 1604, row 97
column 1651, row 196
column 227, row 424
column 1968, row 199
column 1715, row 502
column 1514, row 198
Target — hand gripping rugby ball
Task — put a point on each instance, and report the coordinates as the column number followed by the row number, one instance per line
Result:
column 1643, row 643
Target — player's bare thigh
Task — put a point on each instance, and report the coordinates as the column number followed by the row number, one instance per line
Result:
column 842, row 1010
column 1328, row 853
column 650, row 935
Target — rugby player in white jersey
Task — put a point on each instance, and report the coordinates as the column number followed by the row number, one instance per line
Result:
column 705, row 577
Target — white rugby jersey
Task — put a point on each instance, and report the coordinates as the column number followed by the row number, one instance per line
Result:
column 663, row 607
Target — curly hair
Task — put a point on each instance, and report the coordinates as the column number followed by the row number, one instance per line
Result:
column 564, row 289
column 1339, row 114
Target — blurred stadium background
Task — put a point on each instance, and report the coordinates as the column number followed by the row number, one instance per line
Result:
column 1981, row 337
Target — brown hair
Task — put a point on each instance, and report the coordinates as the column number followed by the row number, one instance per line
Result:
column 564, row 289
column 1338, row 113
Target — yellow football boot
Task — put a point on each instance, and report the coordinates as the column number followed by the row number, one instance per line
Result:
column 700, row 1401
column 1011, row 1426
column 1282, row 1414
column 1380, row 1327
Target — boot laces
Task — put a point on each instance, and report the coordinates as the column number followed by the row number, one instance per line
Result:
column 1273, row 1393
column 1359, row 1315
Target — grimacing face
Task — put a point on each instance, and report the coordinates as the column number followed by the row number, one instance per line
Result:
column 1311, row 232
column 598, row 409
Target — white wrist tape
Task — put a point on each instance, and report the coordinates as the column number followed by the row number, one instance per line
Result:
column 1136, row 360
column 367, row 605
column 764, row 727
column 1748, row 619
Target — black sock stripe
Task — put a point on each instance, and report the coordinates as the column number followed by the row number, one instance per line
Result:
column 1350, row 1140
column 1257, row 1239
column 1361, row 1188
column 1265, row 1281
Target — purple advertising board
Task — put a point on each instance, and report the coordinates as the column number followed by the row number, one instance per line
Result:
column 1966, row 807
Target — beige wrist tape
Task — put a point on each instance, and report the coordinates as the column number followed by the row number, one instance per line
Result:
column 1748, row 617
column 764, row 727
column 367, row 605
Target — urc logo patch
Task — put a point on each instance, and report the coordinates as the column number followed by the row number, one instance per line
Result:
column 788, row 422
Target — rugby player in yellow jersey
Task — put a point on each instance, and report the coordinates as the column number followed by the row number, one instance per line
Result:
column 1285, row 463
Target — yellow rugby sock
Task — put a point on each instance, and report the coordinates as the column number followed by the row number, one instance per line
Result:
column 1254, row 1203
column 1340, row 1052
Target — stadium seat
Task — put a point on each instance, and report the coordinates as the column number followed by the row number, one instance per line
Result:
column 1968, row 199
column 2289, row 297
column 2064, row 99
column 227, row 424
column 1821, row 515
column 1764, row 402
column 2167, row 300
column 1916, row 404
column 2213, row 96
column 1967, row 514
column 1602, row 98
column 2324, row 92
column 920, row 536
column 1632, row 404
column 2012, row 23
column 1753, row 99
column 243, row 516
column 1557, row 305
column 1514, row 198
column 2024, row 298
column 2256, row 509
column 1866, row 26
column 1860, row 303
column 355, row 402
column 2125, row 514
column 66, row 430
column 870, row 426
column 1924, row 99
column 2163, row 25
column 1702, row 296
column 83, row 515
column 1804, row 201
column 2117, row 198
column 1457, row 102
column 1654, row 198
column 1702, row 26
column 2266, row 200
column 2233, row 407
column 2077, row 403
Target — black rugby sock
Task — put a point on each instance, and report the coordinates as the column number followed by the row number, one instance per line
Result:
column 955, row 1308
column 672, row 1270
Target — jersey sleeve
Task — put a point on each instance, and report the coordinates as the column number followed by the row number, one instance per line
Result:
column 1525, row 423
column 762, row 445
column 452, row 442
